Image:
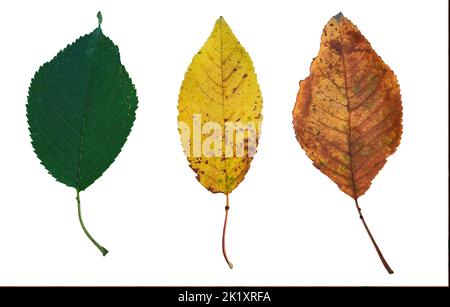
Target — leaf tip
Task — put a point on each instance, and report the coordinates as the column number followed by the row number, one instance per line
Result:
column 100, row 18
column 221, row 19
column 338, row 16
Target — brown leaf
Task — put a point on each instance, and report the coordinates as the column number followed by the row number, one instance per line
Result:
column 348, row 114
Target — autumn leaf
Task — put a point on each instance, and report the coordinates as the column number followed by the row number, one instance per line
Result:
column 348, row 114
column 219, row 114
column 81, row 107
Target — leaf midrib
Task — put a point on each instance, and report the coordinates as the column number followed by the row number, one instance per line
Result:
column 350, row 154
column 86, row 108
column 223, row 106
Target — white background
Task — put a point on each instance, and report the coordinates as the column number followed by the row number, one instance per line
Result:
column 288, row 224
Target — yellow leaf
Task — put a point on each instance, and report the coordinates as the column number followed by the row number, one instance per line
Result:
column 220, row 111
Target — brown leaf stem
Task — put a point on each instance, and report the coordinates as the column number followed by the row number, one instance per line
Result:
column 224, row 251
column 386, row 265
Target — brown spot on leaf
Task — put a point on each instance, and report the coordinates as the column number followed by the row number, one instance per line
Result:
column 336, row 45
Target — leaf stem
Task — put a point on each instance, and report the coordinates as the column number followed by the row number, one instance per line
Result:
column 386, row 265
column 103, row 250
column 224, row 251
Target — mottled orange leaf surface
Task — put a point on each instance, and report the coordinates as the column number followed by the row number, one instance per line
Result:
column 348, row 113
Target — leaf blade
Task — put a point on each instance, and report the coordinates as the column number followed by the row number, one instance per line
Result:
column 221, row 86
column 348, row 113
column 81, row 107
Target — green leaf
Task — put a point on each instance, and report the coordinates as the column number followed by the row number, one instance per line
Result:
column 81, row 108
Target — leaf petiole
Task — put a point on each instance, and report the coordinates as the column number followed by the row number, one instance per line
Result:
column 103, row 250
column 224, row 251
column 386, row 265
